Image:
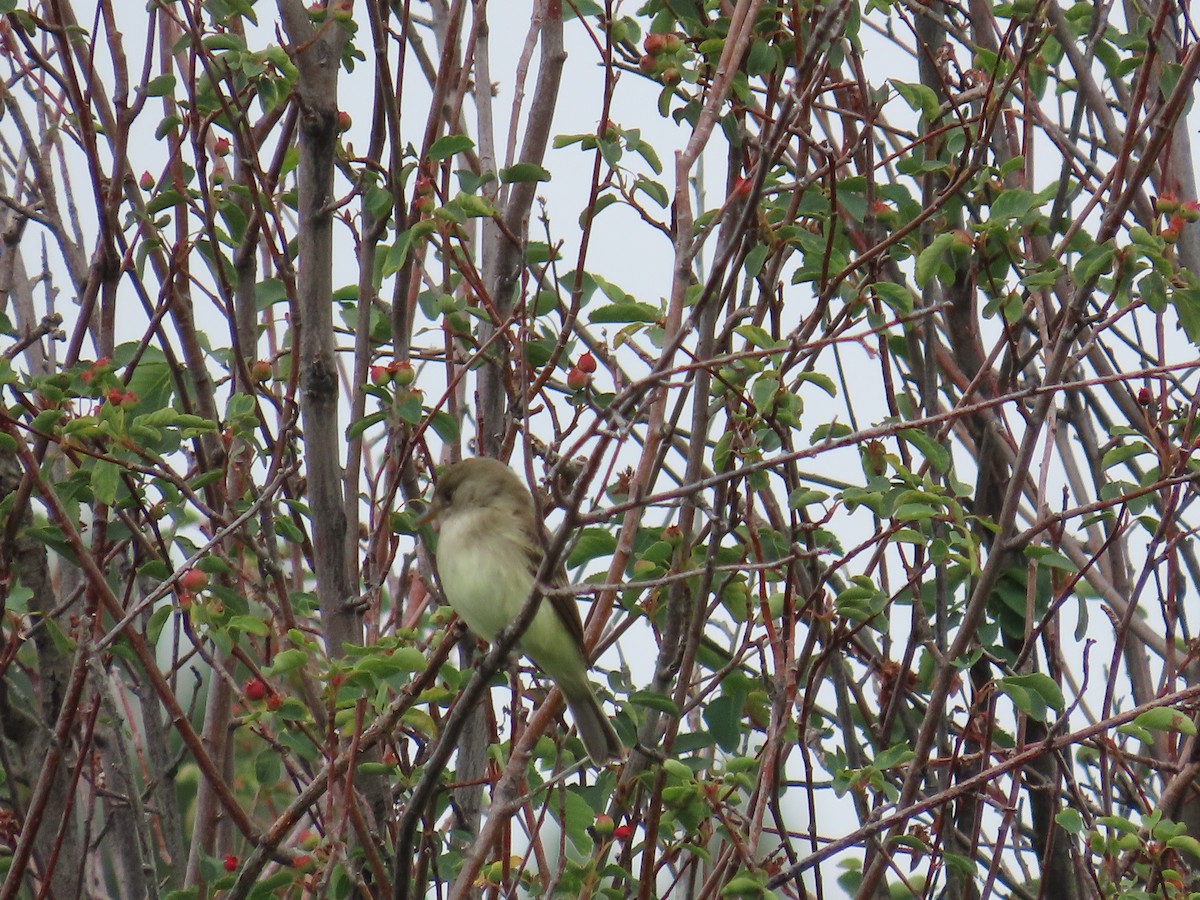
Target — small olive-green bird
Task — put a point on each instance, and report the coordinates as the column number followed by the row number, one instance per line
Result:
column 490, row 546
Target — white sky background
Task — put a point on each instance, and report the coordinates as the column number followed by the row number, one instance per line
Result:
column 629, row 253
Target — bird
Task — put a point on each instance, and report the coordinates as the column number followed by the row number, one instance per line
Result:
column 490, row 546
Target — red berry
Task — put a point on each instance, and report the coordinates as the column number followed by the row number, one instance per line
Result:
column 623, row 832
column 742, row 187
column 193, row 580
column 231, row 862
column 255, row 689
column 146, row 182
column 221, row 146
column 577, row 379
column 648, row 64
column 586, row 364
column 274, row 701
column 654, row 43
column 116, row 396
column 1144, row 396
column 343, row 120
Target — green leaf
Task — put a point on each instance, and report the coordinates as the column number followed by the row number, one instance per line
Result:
column 1012, row 204
column 1185, row 842
column 653, row 190
column 444, row 425
column 1122, row 453
column 658, row 702
column 157, row 620
column 249, row 625
column 524, row 172
column 1033, row 693
column 106, row 478
column 592, row 544
column 474, row 206
column 449, row 145
column 356, row 428
column 1163, row 718
column 574, row 814
column 723, row 718
column 162, row 86
column 1070, row 820
column 896, row 296
column 802, row 497
column 286, row 661
column 935, row 452
column 919, row 97
column 930, row 259
column 629, row 311
column 820, row 379
column 1095, row 262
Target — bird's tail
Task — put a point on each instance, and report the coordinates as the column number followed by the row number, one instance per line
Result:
column 595, row 729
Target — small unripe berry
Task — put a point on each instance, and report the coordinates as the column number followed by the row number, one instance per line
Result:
column 260, row 371
column 671, row 76
column 343, row 121
column 402, row 372
column 648, row 64
column 604, row 826
column 146, row 182
column 221, row 146
column 380, row 375
column 1190, row 211
column 1166, row 203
